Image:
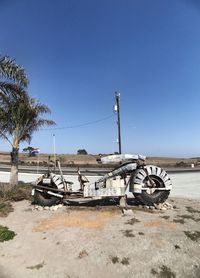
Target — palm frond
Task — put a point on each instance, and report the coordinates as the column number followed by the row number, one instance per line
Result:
column 20, row 114
column 13, row 71
column 43, row 122
column 39, row 107
column 11, row 89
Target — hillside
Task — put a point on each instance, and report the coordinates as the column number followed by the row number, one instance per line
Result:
column 72, row 159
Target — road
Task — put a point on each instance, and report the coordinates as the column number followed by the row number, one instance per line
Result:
column 185, row 184
column 66, row 170
column 85, row 169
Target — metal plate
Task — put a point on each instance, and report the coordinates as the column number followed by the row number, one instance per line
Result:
column 104, row 192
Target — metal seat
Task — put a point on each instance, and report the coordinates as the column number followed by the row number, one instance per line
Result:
column 82, row 179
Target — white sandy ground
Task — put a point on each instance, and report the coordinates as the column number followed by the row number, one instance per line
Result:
column 96, row 243
column 184, row 184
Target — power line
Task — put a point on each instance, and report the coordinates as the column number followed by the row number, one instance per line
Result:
column 80, row 125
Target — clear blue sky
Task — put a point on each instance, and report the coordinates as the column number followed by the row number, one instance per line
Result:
column 78, row 53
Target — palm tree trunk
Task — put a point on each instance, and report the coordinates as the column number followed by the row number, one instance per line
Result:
column 14, row 167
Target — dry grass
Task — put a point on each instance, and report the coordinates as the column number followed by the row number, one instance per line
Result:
column 17, row 193
column 7, row 195
column 5, row 209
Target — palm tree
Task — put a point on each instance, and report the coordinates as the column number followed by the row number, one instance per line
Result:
column 20, row 116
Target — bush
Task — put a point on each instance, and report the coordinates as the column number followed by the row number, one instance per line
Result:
column 181, row 164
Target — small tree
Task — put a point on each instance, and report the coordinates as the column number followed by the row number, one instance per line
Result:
column 82, row 151
column 20, row 116
column 29, row 150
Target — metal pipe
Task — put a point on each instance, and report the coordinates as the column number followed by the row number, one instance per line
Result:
column 55, row 189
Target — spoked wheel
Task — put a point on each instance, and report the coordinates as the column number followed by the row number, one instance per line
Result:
column 155, row 185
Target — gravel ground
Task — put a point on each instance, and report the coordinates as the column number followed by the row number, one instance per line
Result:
column 97, row 242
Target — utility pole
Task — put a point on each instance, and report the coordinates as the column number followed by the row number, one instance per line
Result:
column 117, row 109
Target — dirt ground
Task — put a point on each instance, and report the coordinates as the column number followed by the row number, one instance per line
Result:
column 101, row 242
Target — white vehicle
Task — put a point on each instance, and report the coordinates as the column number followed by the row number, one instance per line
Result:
column 149, row 184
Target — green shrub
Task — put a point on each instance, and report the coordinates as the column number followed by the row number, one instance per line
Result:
column 6, row 234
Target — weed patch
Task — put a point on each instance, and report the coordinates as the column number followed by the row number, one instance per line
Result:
column 165, row 217
column 194, row 235
column 83, row 254
column 177, row 246
column 125, row 261
column 5, row 209
column 128, row 233
column 37, row 266
column 164, row 272
column 186, row 216
column 181, row 221
column 192, row 210
column 141, row 233
column 132, row 221
column 115, row 259
column 6, row 234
